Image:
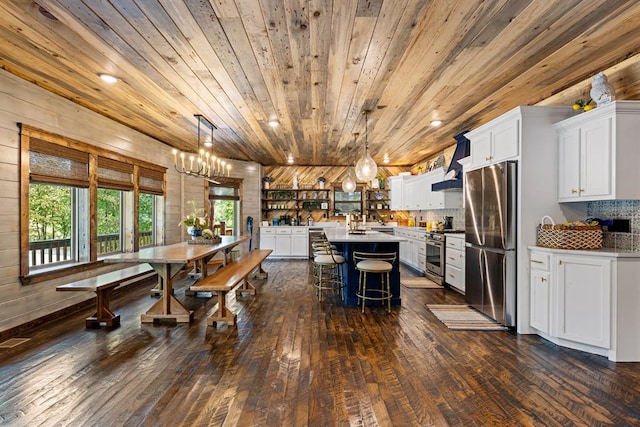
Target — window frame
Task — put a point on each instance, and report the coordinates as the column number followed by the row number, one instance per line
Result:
column 235, row 183
column 359, row 189
column 116, row 162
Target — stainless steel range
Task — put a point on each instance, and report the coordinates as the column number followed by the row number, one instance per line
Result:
column 435, row 248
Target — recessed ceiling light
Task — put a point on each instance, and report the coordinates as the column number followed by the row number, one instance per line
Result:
column 436, row 123
column 385, row 160
column 107, row 78
column 290, row 159
column 274, row 123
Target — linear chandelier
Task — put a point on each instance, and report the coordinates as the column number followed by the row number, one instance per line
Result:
column 203, row 164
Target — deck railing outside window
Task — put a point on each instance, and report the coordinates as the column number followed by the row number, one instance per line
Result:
column 42, row 252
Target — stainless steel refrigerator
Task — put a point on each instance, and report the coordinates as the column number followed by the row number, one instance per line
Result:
column 490, row 234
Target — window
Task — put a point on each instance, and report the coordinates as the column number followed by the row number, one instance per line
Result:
column 79, row 204
column 225, row 206
column 50, row 224
column 146, row 220
column 345, row 203
column 110, row 222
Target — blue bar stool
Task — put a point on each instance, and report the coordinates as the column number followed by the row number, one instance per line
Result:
column 379, row 263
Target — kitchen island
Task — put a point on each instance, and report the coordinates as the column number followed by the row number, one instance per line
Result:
column 370, row 241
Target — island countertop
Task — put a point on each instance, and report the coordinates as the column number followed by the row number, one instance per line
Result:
column 341, row 235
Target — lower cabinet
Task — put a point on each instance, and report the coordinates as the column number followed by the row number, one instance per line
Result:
column 300, row 242
column 586, row 302
column 454, row 269
column 584, row 299
column 540, row 295
column 413, row 250
column 285, row 242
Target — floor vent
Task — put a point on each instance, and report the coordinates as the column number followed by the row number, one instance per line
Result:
column 13, row 342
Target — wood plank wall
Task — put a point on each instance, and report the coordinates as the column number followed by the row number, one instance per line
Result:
column 21, row 101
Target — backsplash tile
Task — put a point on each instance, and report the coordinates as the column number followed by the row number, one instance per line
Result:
column 619, row 209
column 438, row 215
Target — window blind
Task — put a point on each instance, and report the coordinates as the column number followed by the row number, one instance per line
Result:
column 151, row 181
column 114, row 174
column 57, row 164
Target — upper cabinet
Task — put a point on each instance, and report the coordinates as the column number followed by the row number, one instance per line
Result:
column 496, row 143
column 413, row 193
column 396, row 187
column 598, row 154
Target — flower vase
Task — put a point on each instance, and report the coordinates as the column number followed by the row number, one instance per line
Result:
column 195, row 233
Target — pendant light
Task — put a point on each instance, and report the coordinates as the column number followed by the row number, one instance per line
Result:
column 349, row 183
column 366, row 168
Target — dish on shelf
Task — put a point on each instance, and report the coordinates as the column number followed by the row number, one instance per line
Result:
column 379, row 195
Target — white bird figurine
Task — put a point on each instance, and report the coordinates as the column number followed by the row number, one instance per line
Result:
column 601, row 91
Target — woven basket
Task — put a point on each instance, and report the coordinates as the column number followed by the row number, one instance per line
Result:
column 566, row 237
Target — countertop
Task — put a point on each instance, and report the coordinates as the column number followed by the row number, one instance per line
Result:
column 340, row 235
column 604, row 252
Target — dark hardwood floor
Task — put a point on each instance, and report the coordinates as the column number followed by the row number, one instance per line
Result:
column 293, row 361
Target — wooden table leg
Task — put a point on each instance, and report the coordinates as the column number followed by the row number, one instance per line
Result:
column 167, row 307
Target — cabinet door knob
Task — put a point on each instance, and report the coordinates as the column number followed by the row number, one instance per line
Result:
column 574, row 191
column 542, row 279
column 536, row 261
column 581, row 190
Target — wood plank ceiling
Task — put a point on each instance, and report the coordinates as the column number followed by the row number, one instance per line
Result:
column 314, row 66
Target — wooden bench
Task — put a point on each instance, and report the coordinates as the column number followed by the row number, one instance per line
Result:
column 103, row 285
column 227, row 278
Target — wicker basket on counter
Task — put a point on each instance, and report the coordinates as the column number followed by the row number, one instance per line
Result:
column 568, row 237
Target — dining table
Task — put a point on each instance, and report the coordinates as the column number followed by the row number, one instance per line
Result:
column 169, row 260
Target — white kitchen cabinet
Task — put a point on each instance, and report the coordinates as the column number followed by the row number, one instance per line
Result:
column 587, row 300
column 496, row 143
column 300, row 242
column 570, row 297
column 285, row 242
column 454, row 269
column 584, row 299
column 597, row 154
column 540, row 291
column 396, row 187
column 415, row 193
column 268, row 238
column 413, row 250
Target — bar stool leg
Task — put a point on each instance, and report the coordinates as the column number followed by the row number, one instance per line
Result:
column 388, row 294
column 364, row 291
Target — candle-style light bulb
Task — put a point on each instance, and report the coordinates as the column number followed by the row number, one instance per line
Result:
column 175, row 157
column 182, row 158
column 191, row 158
column 228, row 169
